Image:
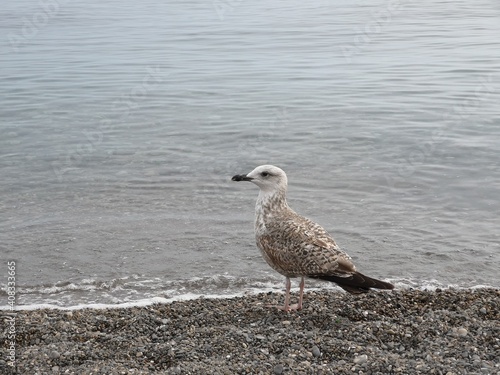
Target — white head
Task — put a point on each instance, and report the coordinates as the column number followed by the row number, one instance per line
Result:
column 267, row 177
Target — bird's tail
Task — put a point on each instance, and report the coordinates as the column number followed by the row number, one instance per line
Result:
column 357, row 283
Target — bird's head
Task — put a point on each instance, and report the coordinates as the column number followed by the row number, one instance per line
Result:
column 267, row 177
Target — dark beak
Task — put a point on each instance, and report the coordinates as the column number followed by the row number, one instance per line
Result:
column 241, row 177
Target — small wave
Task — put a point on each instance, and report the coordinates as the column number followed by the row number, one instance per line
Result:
column 137, row 290
column 83, row 285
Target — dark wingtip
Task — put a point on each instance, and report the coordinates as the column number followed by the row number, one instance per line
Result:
column 356, row 283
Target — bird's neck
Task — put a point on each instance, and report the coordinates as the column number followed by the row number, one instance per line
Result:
column 270, row 203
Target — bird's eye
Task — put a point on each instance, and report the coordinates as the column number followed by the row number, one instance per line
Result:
column 264, row 174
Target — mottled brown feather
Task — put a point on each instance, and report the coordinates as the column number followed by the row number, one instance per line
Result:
column 295, row 246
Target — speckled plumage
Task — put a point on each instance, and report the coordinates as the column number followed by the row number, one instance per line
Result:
column 296, row 246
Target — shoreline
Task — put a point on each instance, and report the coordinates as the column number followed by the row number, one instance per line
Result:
column 454, row 331
column 320, row 287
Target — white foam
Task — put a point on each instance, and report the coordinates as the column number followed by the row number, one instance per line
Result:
column 274, row 285
column 137, row 303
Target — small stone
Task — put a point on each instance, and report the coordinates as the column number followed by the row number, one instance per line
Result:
column 462, row 331
column 278, row 369
column 54, row 354
column 315, row 351
column 360, row 359
column 483, row 310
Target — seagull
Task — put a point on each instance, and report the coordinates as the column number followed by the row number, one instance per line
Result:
column 295, row 246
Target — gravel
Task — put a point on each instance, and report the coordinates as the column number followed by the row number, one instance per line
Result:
column 443, row 332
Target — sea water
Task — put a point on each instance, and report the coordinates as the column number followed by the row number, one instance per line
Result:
column 122, row 123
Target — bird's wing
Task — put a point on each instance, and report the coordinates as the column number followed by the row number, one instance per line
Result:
column 295, row 245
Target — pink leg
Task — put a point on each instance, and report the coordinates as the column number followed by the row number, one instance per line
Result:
column 287, row 307
column 302, row 284
column 288, row 285
column 298, row 306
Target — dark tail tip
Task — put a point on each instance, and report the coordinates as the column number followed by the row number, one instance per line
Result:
column 356, row 283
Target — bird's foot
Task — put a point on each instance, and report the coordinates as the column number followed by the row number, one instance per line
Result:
column 294, row 307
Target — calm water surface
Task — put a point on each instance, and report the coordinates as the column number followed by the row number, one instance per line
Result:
column 123, row 121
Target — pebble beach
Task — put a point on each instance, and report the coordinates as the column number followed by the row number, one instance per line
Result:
column 399, row 332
